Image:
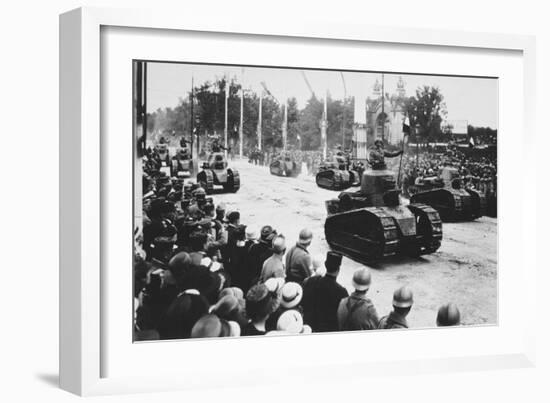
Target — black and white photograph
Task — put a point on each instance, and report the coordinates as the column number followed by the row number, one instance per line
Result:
column 285, row 201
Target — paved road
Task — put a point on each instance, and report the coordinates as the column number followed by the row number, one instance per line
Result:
column 463, row 271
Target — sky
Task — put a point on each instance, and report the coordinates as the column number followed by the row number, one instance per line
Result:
column 467, row 98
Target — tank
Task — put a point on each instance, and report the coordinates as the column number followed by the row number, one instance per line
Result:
column 285, row 165
column 371, row 224
column 451, row 199
column 334, row 174
column 181, row 163
column 215, row 175
column 163, row 156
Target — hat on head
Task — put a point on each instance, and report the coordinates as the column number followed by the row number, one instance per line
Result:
column 305, row 236
column 267, row 233
column 260, row 303
column 448, row 315
column 181, row 315
column 278, row 244
column 333, row 261
column 291, row 321
column 211, row 326
column 361, row 279
column 250, row 234
column 402, row 298
column 220, row 207
column 225, row 306
column 232, row 291
column 275, row 284
column 291, row 295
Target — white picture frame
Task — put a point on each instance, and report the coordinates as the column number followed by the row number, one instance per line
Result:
column 83, row 302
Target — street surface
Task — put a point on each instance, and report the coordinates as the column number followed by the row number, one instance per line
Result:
column 463, row 270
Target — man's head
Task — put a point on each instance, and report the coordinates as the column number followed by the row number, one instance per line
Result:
column 402, row 300
column 448, row 315
column 305, row 237
column 267, row 233
column 279, row 245
column 361, row 280
column 197, row 241
column 379, row 143
column 234, row 217
column 333, row 262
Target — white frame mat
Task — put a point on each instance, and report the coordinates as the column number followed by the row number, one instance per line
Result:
column 96, row 356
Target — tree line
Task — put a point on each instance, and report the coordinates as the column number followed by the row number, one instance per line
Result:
column 426, row 110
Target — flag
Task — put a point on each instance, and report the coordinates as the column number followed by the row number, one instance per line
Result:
column 472, row 142
column 406, row 129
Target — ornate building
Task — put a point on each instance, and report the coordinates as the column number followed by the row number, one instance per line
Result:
column 385, row 120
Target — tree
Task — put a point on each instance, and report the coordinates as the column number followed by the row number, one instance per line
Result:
column 426, row 111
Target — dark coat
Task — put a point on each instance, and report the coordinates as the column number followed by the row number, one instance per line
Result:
column 257, row 255
column 320, row 302
column 298, row 263
column 357, row 312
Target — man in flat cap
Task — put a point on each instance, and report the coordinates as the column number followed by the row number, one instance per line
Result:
column 322, row 294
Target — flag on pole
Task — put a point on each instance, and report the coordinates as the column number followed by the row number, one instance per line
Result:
column 406, row 129
column 472, row 142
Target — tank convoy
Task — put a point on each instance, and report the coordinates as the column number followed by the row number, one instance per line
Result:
column 163, row 156
column 371, row 224
column 334, row 174
column 285, row 165
column 447, row 194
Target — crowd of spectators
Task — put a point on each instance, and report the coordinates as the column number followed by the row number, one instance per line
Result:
column 200, row 272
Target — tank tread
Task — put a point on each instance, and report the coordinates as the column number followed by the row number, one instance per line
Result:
column 431, row 244
column 389, row 230
column 236, row 181
column 207, row 179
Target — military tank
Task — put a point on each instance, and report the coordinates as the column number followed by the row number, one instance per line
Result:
column 163, row 156
column 284, row 165
column 451, row 199
column 371, row 224
column 181, row 163
column 215, row 175
column 334, row 174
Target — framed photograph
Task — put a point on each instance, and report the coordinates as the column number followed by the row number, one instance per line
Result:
column 289, row 196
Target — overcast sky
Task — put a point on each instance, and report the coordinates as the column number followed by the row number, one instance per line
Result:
column 471, row 99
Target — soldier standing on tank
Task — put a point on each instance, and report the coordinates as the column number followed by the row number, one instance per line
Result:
column 377, row 153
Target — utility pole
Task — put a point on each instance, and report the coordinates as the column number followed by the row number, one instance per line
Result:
column 241, row 122
column 260, row 122
column 225, row 116
column 344, row 113
column 383, row 114
column 324, row 128
column 285, row 119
